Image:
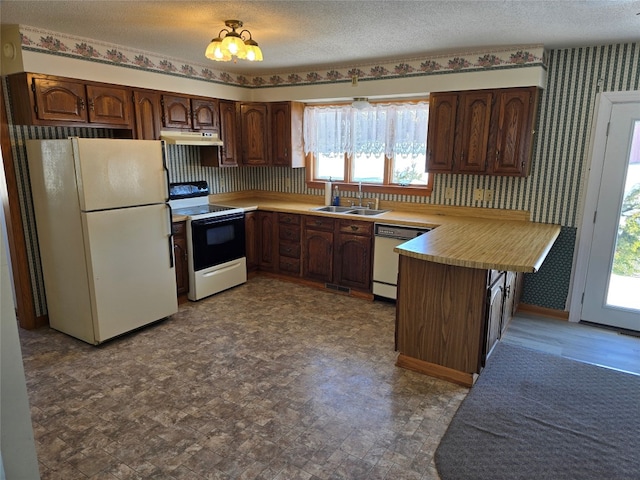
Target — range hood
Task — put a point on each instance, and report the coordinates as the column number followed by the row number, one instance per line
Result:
column 203, row 139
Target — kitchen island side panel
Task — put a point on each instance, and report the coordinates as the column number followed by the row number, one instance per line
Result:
column 440, row 313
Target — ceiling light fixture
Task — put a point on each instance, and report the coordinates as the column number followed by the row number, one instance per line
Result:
column 360, row 102
column 233, row 45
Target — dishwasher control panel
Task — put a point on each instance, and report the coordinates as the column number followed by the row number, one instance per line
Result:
column 402, row 232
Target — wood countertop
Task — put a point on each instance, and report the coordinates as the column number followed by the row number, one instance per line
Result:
column 486, row 244
column 490, row 239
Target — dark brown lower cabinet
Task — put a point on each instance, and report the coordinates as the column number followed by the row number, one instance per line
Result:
column 352, row 260
column 266, row 245
column 449, row 318
column 180, row 257
column 319, row 249
column 317, row 254
column 494, row 315
column 251, row 240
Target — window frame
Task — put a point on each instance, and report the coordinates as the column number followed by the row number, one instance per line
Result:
column 348, row 185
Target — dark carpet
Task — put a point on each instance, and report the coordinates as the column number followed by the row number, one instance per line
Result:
column 533, row 415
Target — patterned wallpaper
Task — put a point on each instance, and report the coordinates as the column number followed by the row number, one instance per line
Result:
column 54, row 43
column 552, row 191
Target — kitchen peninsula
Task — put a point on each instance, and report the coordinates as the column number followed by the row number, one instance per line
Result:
column 452, row 283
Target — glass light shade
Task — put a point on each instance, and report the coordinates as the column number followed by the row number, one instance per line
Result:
column 254, row 54
column 233, row 44
column 360, row 103
column 214, row 51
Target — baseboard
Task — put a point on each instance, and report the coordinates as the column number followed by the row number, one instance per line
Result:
column 435, row 370
column 543, row 311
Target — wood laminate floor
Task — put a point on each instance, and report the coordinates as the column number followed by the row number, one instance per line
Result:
column 586, row 343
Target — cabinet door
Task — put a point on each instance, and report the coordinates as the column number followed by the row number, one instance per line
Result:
column 266, row 241
column 495, row 296
column 509, row 303
column 109, row 105
column 474, row 115
column 58, row 100
column 255, row 137
column 147, row 108
column 180, row 256
column 317, row 255
column 441, row 133
column 228, row 131
column 205, row 114
column 281, row 133
column 353, row 261
column 511, row 151
column 251, row 239
column 176, row 112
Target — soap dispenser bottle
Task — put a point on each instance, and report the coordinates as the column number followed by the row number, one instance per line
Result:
column 336, row 196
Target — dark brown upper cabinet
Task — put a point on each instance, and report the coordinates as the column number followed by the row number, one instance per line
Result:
column 190, row 113
column 483, row 132
column 48, row 100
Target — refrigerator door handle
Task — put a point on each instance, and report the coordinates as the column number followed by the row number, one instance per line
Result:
column 170, row 235
column 166, row 170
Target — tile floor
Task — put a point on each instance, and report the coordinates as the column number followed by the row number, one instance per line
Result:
column 270, row 380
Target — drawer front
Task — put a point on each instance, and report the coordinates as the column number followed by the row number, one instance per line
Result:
column 178, row 228
column 289, row 218
column 289, row 232
column 355, row 227
column 290, row 265
column 289, row 249
column 319, row 223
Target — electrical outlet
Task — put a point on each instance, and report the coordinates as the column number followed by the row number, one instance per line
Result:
column 478, row 195
column 488, row 195
column 448, row 193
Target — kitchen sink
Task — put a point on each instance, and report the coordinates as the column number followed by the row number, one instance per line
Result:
column 333, row 209
column 349, row 210
column 366, row 211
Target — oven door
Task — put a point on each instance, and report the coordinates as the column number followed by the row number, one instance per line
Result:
column 216, row 240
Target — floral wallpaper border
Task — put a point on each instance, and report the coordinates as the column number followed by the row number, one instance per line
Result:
column 37, row 40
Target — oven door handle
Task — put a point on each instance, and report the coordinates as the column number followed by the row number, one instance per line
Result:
column 171, row 265
column 217, row 219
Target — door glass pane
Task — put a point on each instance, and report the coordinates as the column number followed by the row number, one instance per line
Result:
column 624, row 283
column 329, row 167
column 409, row 170
column 368, row 168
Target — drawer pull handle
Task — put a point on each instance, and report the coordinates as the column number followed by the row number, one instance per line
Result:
column 354, row 228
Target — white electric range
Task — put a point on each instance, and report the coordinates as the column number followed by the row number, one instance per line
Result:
column 215, row 240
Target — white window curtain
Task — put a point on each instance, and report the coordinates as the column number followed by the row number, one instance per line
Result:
column 392, row 129
column 327, row 130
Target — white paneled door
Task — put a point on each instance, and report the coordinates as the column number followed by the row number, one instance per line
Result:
column 612, row 286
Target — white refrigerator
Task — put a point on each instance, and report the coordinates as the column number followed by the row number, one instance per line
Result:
column 104, row 232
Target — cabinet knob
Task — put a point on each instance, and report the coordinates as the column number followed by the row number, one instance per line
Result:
column 81, row 102
column 91, row 105
column 354, row 228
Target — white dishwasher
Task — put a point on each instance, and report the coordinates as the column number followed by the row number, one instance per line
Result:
column 385, row 260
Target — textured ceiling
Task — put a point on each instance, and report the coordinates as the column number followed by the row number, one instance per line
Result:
column 297, row 35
